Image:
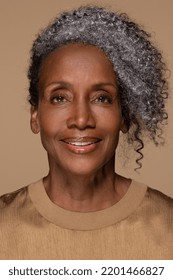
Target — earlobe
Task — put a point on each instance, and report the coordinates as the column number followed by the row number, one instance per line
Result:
column 124, row 127
column 34, row 122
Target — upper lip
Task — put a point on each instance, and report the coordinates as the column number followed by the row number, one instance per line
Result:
column 82, row 139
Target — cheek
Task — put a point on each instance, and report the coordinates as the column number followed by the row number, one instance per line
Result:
column 110, row 122
column 112, row 133
column 49, row 121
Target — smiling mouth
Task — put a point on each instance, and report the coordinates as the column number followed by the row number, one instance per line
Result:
column 81, row 141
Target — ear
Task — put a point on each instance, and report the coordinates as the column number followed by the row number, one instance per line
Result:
column 123, row 126
column 34, row 121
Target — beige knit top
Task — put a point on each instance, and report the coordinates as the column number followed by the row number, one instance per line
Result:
column 139, row 226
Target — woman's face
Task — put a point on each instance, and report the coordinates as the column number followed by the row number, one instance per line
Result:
column 78, row 115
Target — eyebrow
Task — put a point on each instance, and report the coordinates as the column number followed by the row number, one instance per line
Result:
column 95, row 86
column 60, row 83
column 99, row 85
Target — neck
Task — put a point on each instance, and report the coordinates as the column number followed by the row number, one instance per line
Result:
column 86, row 192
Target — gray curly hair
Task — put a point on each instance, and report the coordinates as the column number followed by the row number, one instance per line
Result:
column 138, row 65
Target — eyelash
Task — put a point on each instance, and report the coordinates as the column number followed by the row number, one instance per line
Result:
column 103, row 97
column 58, row 99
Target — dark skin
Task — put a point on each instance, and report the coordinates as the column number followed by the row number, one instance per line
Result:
column 79, row 120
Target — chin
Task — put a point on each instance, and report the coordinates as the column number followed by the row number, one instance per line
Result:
column 84, row 165
column 84, row 170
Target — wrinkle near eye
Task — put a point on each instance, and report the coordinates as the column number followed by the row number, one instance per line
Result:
column 58, row 99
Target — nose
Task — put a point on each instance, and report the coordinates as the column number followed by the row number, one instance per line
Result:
column 81, row 116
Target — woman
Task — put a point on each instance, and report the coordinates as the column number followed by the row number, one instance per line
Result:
column 93, row 75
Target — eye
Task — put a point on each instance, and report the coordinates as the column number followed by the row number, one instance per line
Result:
column 58, row 99
column 104, row 98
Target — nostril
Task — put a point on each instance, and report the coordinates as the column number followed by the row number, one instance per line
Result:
column 81, row 118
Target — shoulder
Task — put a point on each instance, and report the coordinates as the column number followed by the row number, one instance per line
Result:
column 152, row 196
column 13, row 200
column 16, row 203
column 159, row 206
column 159, row 198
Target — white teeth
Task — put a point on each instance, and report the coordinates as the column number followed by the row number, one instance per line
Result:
column 80, row 143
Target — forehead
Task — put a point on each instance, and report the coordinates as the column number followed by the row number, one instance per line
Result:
column 77, row 52
column 75, row 60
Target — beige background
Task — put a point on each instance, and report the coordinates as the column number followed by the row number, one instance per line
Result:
column 23, row 160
